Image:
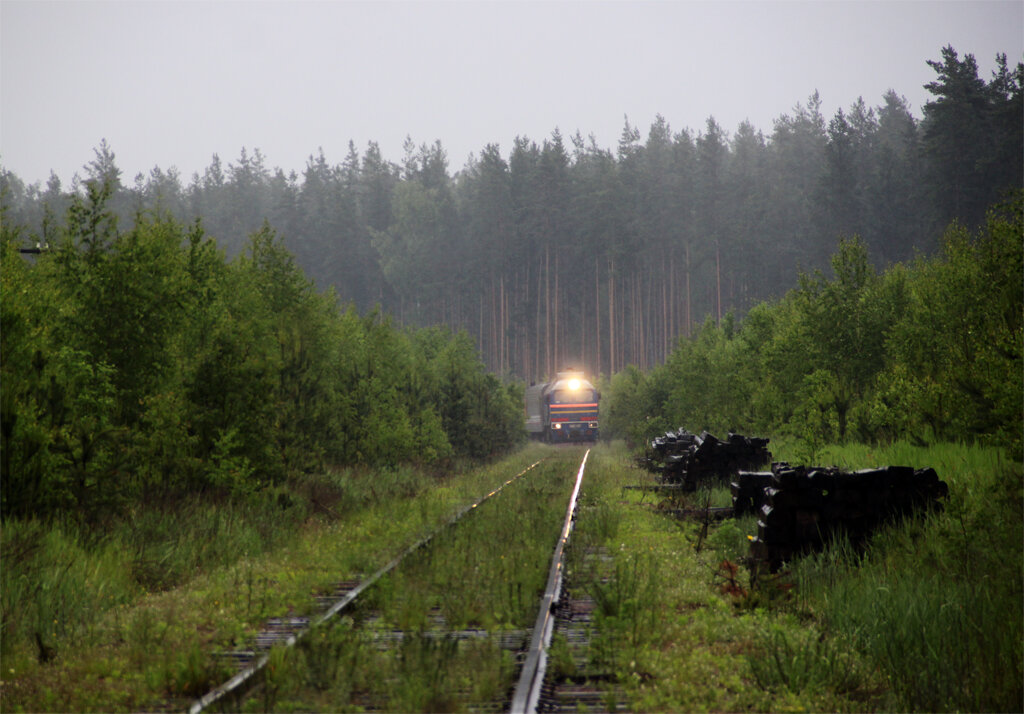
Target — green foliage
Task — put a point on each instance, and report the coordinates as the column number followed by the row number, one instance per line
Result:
column 930, row 351
column 729, row 538
column 961, row 343
column 798, row 661
column 624, row 404
column 142, row 366
column 177, row 404
column 706, row 381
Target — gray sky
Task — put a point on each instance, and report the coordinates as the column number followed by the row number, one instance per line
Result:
column 171, row 83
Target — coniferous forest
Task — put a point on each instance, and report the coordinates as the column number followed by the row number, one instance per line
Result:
column 564, row 251
column 170, row 338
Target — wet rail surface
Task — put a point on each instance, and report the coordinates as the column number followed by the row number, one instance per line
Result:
column 566, row 610
column 564, row 607
column 531, row 678
column 586, row 686
column 537, row 688
column 287, row 632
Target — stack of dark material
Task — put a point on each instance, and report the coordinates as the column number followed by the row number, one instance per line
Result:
column 748, row 491
column 801, row 508
column 688, row 459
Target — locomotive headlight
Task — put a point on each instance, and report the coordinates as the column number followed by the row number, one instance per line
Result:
column 574, row 384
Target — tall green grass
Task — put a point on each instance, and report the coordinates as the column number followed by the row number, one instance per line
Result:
column 935, row 603
column 58, row 580
column 129, row 614
column 53, row 586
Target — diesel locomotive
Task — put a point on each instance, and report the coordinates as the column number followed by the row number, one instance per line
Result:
column 563, row 409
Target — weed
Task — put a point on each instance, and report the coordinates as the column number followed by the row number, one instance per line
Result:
column 627, row 607
column 560, row 659
column 192, row 673
column 278, row 676
column 146, row 637
column 422, row 675
column 54, row 588
column 798, row 661
column 599, row 520
column 729, row 538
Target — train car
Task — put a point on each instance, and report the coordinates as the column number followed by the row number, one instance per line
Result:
column 563, row 409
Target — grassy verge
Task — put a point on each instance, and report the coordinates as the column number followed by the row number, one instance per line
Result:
column 118, row 641
column 927, row 619
column 677, row 622
column 936, row 603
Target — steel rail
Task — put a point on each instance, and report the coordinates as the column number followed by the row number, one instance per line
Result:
column 244, row 677
column 531, row 677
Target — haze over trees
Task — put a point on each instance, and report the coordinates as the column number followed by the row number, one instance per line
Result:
column 192, row 374
column 927, row 352
column 566, row 251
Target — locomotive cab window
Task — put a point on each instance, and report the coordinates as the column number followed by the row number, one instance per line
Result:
column 579, row 396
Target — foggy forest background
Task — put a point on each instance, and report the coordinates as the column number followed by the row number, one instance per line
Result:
column 567, row 252
column 195, row 375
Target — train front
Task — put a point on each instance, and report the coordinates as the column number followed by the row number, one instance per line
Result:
column 571, row 402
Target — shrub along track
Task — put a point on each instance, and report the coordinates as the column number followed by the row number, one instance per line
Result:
column 441, row 627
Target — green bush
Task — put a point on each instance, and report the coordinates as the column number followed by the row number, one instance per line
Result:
column 931, row 351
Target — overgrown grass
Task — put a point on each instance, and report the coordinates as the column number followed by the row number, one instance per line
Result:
column 665, row 631
column 141, row 608
column 54, row 585
column 485, row 575
column 60, row 579
column 927, row 618
column 935, row 603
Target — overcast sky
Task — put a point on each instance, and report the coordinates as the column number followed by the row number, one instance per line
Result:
column 171, row 83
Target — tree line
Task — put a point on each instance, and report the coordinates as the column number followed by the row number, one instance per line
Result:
column 929, row 351
column 142, row 366
column 568, row 252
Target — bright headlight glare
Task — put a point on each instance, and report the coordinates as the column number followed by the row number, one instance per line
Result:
column 574, row 384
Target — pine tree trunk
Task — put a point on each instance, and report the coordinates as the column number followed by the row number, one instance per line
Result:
column 597, row 311
column 501, row 329
column 718, row 280
column 557, row 347
column 538, row 342
column 611, row 317
column 547, row 310
column 662, row 350
column 689, row 295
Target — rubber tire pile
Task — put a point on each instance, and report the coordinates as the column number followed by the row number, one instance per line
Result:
column 800, row 508
column 687, row 459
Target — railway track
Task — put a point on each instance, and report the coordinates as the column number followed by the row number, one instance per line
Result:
column 379, row 630
column 527, row 693
column 578, row 683
column 288, row 632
